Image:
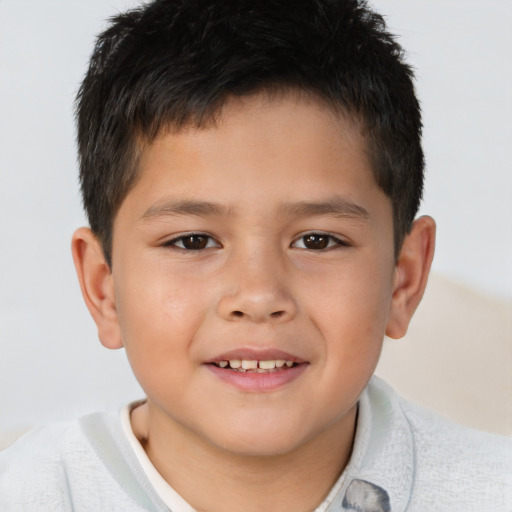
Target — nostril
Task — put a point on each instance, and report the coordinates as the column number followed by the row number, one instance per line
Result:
column 238, row 313
column 277, row 314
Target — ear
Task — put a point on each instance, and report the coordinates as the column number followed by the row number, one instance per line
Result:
column 411, row 275
column 97, row 286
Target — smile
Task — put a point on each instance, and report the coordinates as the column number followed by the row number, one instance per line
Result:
column 245, row 371
column 245, row 365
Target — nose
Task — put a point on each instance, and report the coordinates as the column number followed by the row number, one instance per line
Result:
column 257, row 290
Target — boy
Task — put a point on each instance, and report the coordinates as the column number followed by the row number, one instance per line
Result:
column 251, row 172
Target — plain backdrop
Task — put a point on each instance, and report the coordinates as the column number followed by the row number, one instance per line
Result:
column 51, row 364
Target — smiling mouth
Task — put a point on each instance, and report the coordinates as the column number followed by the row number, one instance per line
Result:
column 255, row 366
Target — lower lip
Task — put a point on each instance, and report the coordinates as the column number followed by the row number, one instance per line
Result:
column 258, row 382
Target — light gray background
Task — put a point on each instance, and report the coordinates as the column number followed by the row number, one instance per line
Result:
column 51, row 364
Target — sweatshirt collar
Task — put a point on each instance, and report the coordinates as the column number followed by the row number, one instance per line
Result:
column 379, row 476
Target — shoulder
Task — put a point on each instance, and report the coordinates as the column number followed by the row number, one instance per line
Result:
column 452, row 464
column 49, row 469
column 34, row 465
column 457, row 457
column 46, row 445
column 435, row 435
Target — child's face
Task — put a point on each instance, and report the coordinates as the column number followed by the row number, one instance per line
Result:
column 263, row 238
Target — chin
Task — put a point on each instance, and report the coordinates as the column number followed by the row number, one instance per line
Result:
column 260, row 448
column 260, row 441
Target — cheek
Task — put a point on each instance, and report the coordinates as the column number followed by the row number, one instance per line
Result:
column 359, row 293
column 152, row 296
column 351, row 308
column 159, row 316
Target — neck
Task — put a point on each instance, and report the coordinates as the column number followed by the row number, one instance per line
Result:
column 298, row 480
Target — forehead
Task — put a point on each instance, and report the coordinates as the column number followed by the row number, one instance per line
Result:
column 290, row 147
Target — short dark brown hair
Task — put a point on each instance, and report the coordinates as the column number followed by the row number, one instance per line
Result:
column 173, row 63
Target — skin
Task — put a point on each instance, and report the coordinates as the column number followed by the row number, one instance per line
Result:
column 257, row 284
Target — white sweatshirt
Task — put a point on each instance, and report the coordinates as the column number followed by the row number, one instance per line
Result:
column 404, row 459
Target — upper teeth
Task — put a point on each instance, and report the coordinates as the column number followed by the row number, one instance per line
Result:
column 247, row 364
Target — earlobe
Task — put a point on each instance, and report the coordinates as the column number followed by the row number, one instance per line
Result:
column 97, row 286
column 411, row 275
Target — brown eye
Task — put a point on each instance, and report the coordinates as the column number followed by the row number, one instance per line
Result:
column 319, row 242
column 193, row 242
column 315, row 241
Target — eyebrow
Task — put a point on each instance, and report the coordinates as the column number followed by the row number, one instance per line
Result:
column 336, row 207
column 185, row 207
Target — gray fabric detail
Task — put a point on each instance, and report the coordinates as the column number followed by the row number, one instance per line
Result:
column 363, row 496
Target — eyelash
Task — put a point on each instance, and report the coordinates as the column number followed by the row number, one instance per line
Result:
column 332, row 242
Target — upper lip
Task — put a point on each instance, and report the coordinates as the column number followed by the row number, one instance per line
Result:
column 256, row 354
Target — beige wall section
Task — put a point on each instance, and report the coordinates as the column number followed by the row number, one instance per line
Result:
column 457, row 357
column 7, row 438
